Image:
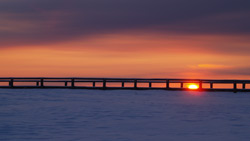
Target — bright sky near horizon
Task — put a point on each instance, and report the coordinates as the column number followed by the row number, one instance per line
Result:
column 117, row 38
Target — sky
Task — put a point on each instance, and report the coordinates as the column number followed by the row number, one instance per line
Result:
column 203, row 39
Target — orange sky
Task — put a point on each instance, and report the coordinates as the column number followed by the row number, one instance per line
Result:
column 125, row 38
column 134, row 54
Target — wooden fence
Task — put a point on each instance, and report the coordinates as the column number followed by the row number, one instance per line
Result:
column 124, row 83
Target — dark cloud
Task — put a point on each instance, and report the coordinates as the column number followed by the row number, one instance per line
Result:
column 47, row 21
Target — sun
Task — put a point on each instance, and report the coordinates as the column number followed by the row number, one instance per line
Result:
column 193, row 86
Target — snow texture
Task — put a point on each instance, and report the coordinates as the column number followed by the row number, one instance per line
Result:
column 123, row 115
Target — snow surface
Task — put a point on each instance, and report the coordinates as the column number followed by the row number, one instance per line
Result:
column 123, row 115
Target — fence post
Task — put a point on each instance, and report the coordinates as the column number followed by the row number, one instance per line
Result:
column 167, row 84
column 211, row 85
column 104, row 83
column 41, row 82
column 11, row 82
column 93, row 83
column 181, row 84
column 200, row 84
column 37, row 83
column 72, row 82
column 150, row 84
column 235, row 87
column 243, row 85
column 135, row 83
column 122, row 84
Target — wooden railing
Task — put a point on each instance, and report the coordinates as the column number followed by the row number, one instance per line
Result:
column 120, row 83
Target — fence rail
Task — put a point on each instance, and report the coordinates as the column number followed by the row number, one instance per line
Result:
column 124, row 83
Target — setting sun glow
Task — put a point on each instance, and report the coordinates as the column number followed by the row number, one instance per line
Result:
column 193, row 86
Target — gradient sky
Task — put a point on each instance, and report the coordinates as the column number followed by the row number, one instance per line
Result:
column 125, row 38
